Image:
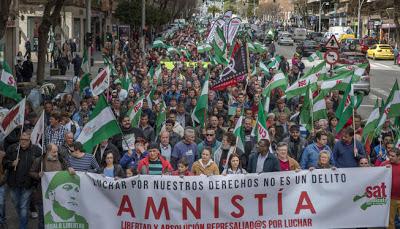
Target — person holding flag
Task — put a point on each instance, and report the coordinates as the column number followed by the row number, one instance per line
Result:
column 348, row 151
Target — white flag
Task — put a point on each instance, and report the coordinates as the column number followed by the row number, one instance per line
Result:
column 38, row 132
column 15, row 117
column 102, row 81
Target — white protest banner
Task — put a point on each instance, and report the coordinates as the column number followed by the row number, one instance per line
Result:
column 233, row 27
column 102, row 81
column 342, row 198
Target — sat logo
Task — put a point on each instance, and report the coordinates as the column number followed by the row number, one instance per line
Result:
column 373, row 195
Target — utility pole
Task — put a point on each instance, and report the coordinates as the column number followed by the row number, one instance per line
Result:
column 319, row 18
column 89, row 29
column 142, row 40
column 360, row 3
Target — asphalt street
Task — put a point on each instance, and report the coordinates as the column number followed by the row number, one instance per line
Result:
column 383, row 75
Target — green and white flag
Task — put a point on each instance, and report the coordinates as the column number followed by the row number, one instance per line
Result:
column 172, row 50
column 136, row 111
column 8, row 85
column 339, row 82
column 101, row 126
column 372, row 121
column 263, row 68
column 388, row 106
column 306, row 116
column 251, row 47
column 200, row 111
column 395, row 107
column 345, row 108
column 158, row 44
column 260, row 48
column 315, row 56
column 261, row 129
column 278, row 81
column 219, row 40
column 203, row 48
column 319, row 108
column 239, row 132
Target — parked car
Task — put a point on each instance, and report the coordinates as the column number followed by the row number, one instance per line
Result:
column 354, row 58
column 366, row 43
column 381, row 51
column 285, row 39
column 316, row 36
column 308, row 47
column 350, row 45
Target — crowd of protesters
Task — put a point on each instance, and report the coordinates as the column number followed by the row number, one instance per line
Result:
column 182, row 147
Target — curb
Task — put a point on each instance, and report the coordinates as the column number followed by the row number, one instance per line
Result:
column 380, row 93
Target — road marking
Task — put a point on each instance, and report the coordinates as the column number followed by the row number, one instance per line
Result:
column 380, row 66
column 367, row 105
column 380, row 91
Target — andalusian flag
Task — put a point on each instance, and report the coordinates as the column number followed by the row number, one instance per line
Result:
column 319, row 108
column 136, row 111
column 261, row 130
column 260, row 48
column 263, row 68
column 395, row 107
column 101, row 126
column 315, row 56
column 388, row 106
column 340, row 82
column 200, row 111
column 158, row 44
column 306, row 117
column 278, row 81
column 8, row 85
column 372, row 121
column 203, row 48
column 84, row 82
column 345, row 108
column 239, row 133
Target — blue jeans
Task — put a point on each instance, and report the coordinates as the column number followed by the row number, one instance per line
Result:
column 2, row 204
column 21, row 198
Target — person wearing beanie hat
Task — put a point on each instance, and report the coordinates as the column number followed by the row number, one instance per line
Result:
column 63, row 191
column 154, row 163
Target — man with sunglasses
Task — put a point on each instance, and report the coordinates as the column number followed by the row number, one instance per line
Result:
column 18, row 160
column 209, row 141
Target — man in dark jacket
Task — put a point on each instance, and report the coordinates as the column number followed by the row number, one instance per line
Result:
column 27, row 69
column 347, row 152
column 126, row 140
column 18, row 160
column 263, row 160
column 296, row 143
column 77, row 62
column 106, row 146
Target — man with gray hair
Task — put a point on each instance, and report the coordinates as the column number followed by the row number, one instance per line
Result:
column 68, row 147
column 185, row 148
column 51, row 161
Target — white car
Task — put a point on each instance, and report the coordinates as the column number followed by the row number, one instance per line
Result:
column 285, row 39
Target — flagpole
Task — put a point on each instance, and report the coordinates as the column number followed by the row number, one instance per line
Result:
column 22, row 129
column 312, row 109
column 41, row 164
column 354, row 124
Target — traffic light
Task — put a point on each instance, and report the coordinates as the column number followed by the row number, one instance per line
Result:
column 109, row 37
column 89, row 39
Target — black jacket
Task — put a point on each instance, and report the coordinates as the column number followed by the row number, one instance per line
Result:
column 271, row 163
column 110, row 147
column 20, row 178
column 117, row 140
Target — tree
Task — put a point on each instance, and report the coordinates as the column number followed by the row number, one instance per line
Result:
column 4, row 14
column 51, row 17
column 270, row 9
column 213, row 10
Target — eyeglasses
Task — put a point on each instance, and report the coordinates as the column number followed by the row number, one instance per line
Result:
column 210, row 134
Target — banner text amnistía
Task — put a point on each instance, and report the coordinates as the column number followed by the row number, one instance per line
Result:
column 342, row 198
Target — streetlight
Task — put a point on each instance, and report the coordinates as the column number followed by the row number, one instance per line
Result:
column 320, row 12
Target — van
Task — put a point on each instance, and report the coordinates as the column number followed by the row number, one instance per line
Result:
column 299, row 34
column 341, row 32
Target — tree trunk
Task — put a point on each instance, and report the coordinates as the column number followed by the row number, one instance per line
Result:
column 396, row 20
column 51, row 16
column 4, row 12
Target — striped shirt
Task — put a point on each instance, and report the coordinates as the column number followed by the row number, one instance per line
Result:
column 87, row 163
column 155, row 167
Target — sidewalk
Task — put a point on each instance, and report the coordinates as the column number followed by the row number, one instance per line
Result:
column 98, row 63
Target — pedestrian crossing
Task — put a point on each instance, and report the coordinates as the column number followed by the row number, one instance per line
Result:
column 380, row 66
